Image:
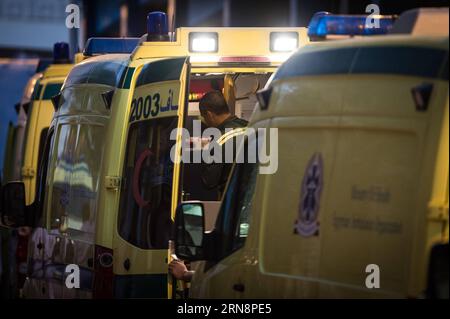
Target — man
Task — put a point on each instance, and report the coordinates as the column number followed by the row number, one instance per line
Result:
column 215, row 113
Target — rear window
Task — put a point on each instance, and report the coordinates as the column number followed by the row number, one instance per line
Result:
column 146, row 193
column 74, row 176
column 42, row 140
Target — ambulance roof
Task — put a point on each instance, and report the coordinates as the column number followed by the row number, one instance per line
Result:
column 423, row 22
column 392, row 54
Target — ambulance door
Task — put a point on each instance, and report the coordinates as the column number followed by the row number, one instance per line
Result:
column 150, row 189
column 40, row 118
column 70, row 200
column 224, row 277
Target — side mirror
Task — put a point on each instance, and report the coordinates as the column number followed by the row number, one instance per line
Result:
column 189, row 230
column 13, row 212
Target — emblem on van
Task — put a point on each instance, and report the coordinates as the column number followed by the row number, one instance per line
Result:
column 308, row 210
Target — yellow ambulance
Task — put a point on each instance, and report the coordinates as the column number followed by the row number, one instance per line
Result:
column 110, row 192
column 40, row 113
column 358, row 205
column 23, row 109
column 14, row 192
column 34, row 114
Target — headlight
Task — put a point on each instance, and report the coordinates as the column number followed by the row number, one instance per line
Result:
column 283, row 41
column 203, row 42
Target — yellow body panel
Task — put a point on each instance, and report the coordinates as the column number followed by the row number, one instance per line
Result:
column 232, row 42
column 374, row 209
column 39, row 119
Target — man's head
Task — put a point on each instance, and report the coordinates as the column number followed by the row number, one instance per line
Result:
column 214, row 108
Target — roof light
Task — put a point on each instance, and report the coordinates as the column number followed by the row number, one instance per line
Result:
column 203, row 42
column 157, row 29
column 283, row 41
column 325, row 23
column 202, row 58
column 61, row 53
column 97, row 46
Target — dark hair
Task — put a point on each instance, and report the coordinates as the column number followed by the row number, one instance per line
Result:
column 215, row 102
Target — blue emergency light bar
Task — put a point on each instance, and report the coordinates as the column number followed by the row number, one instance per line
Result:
column 61, row 53
column 325, row 23
column 97, row 46
column 157, row 28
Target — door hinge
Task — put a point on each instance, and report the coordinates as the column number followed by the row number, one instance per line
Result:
column 438, row 212
column 28, row 172
column 112, row 182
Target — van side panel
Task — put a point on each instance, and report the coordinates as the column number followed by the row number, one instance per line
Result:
column 369, row 193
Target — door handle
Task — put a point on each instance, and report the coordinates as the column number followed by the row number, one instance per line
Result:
column 239, row 287
column 127, row 264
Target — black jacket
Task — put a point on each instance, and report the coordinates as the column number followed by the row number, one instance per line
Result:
column 215, row 175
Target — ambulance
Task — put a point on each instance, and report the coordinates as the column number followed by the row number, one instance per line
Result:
column 34, row 114
column 27, row 219
column 108, row 191
column 22, row 109
column 358, row 207
column 40, row 113
column 12, row 167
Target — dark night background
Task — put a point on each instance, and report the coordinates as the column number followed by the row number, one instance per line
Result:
column 102, row 17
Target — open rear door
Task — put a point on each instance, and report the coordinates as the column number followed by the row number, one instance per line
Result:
column 150, row 189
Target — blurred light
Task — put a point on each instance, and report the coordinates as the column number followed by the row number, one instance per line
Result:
column 244, row 60
column 124, row 20
column 97, row 46
column 280, row 57
column 283, row 41
column 203, row 42
column 157, row 29
column 61, row 53
column 204, row 59
column 325, row 23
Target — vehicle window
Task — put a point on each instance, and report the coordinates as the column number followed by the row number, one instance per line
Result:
column 238, row 200
column 248, row 174
column 42, row 140
column 42, row 174
column 51, row 90
column 146, row 192
column 75, row 176
column 36, row 90
column 234, row 220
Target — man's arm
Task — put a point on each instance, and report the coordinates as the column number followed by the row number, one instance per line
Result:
column 179, row 270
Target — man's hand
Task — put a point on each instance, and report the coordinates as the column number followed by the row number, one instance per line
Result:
column 178, row 269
